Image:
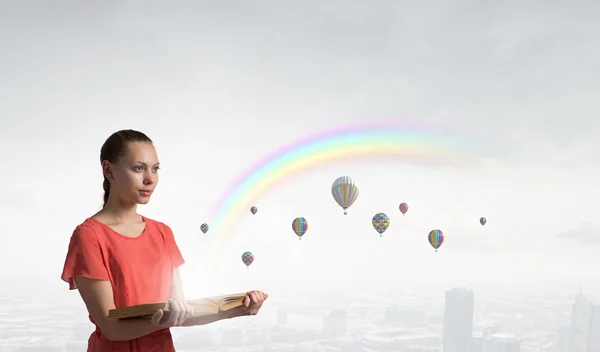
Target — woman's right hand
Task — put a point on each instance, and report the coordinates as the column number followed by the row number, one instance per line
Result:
column 178, row 312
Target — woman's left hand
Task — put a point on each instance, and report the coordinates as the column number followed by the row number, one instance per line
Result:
column 252, row 303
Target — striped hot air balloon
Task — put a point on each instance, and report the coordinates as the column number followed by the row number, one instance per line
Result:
column 483, row 221
column 253, row 210
column 300, row 225
column 436, row 238
column 204, row 228
column 247, row 258
column 381, row 222
column 344, row 192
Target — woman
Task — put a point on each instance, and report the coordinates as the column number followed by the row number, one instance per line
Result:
column 118, row 258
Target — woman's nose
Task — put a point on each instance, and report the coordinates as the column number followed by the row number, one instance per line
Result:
column 148, row 179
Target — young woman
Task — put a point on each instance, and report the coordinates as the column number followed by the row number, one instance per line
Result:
column 118, row 258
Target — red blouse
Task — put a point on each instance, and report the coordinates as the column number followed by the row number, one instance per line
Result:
column 140, row 270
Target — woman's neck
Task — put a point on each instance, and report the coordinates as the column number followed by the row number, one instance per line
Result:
column 119, row 212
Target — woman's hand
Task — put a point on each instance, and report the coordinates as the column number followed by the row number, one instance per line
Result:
column 252, row 303
column 178, row 312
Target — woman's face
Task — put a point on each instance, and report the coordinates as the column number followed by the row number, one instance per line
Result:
column 135, row 176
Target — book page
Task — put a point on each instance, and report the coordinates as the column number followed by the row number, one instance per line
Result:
column 203, row 306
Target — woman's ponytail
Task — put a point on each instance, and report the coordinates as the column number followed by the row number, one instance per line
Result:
column 106, row 186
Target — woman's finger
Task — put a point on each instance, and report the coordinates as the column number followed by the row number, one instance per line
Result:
column 156, row 317
column 190, row 310
column 252, row 295
column 174, row 311
column 184, row 313
column 260, row 296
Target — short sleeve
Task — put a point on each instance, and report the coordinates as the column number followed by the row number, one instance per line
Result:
column 84, row 258
column 172, row 248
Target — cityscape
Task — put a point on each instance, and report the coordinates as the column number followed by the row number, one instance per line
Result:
column 458, row 320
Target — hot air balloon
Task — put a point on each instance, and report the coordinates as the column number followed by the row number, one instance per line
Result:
column 482, row 221
column 300, row 225
column 344, row 192
column 403, row 208
column 436, row 238
column 247, row 258
column 204, row 228
column 253, row 210
column 381, row 222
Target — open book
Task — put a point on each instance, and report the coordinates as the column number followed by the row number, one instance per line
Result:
column 202, row 306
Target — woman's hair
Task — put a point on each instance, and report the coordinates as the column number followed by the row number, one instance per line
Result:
column 115, row 147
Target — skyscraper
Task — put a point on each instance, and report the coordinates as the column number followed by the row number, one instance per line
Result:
column 458, row 320
column 594, row 342
column 584, row 335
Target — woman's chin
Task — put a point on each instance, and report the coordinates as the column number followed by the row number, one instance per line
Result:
column 143, row 200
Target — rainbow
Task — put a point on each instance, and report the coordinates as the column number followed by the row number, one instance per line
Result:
column 352, row 142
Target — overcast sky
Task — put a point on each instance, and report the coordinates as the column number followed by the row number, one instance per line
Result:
column 219, row 85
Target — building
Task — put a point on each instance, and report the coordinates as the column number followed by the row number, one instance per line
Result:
column 408, row 318
column 334, row 324
column 561, row 339
column 401, row 339
column 477, row 342
column 458, row 320
column 584, row 335
column 501, row 342
column 594, row 341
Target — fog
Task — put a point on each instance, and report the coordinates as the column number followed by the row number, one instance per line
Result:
column 219, row 86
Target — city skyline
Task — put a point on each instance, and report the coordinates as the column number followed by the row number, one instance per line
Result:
column 498, row 323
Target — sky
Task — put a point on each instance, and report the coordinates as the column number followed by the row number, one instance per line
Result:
column 219, row 85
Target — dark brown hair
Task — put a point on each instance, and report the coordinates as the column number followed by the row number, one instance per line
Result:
column 115, row 147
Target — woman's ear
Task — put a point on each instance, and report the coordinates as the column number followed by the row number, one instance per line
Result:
column 108, row 170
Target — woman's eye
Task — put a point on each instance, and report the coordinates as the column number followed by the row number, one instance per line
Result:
column 138, row 168
column 156, row 169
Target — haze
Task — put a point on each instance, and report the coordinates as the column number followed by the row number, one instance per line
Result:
column 218, row 86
